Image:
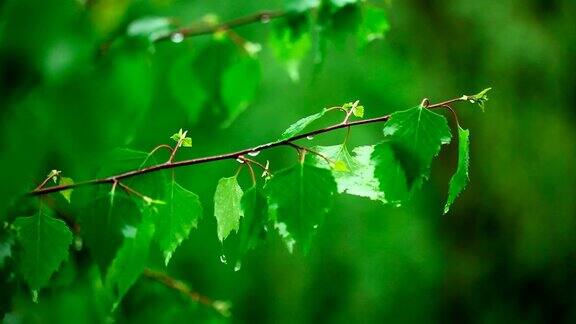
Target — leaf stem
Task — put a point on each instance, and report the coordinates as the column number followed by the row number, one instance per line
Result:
column 226, row 156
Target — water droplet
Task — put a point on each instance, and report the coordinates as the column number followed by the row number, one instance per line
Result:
column 265, row 18
column 309, row 137
column 223, row 259
column 240, row 159
column 315, row 226
column 398, row 205
column 177, row 37
column 254, row 153
column 238, row 266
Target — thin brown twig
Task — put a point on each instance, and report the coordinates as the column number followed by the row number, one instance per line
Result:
column 260, row 17
column 219, row 306
column 227, row 156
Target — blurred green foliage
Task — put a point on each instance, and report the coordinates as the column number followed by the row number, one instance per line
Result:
column 504, row 253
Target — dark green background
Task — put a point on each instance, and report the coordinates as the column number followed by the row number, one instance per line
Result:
column 505, row 253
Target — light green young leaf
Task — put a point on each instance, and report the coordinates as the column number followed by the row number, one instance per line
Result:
column 358, row 111
column 416, row 136
column 479, row 98
column 227, row 206
column 460, row 178
column 354, row 175
column 299, row 197
column 64, row 181
column 240, row 84
column 301, row 124
column 131, row 258
column 175, row 220
column 390, row 174
column 44, row 241
column 373, row 26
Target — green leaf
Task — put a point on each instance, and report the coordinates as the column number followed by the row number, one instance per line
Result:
column 291, row 42
column 390, row 174
column 416, row 136
column 227, row 206
column 301, row 124
column 460, row 178
column 64, row 181
column 186, row 88
column 180, row 214
column 373, row 26
column 252, row 225
column 131, row 258
column 240, row 84
column 105, row 223
column 44, row 241
column 150, row 27
column 299, row 197
column 354, row 175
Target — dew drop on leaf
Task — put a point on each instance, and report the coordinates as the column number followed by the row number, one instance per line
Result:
column 177, row 37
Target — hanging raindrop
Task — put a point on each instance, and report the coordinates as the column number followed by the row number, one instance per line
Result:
column 177, row 37
column 254, row 153
column 240, row 160
column 309, row 137
column 223, row 259
column 238, row 266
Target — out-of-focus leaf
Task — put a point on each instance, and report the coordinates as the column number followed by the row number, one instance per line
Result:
column 354, row 175
column 291, row 42
column 151, row 28
column 240, row 84
column 299, row 198
column 301, row 124
column 175, row 220
column 416, row 135
column 299, row 6
column 186, row 87
column 460, row 178
column 227, row 206
column 373, row 26
column 342, row 3
column 45, row 241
